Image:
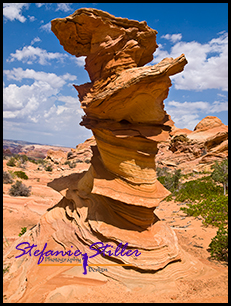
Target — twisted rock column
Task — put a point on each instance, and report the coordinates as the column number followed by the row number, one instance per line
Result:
column 114, row 201
column 124, row 109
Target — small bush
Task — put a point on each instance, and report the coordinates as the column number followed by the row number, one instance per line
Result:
column 70, row 164
column 23, row 230
column 21, row 175
column 24, row 158
column 11, row 162
column 220, row 173
column 214, row 210
column 48, row 168
column 170, row 181
column 206, row 199
column 197, row 190
column 32, row 161
column 7, row 178
column 19, row 189
column 219, row 244
column 38, row 161
column 6, row 269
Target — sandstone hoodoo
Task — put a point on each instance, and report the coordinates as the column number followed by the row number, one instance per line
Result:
column 114, row 201
column 124, row 109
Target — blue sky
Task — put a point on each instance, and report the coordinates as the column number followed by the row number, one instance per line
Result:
column 41, row 105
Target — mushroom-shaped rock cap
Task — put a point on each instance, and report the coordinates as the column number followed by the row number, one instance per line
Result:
column 110, row 43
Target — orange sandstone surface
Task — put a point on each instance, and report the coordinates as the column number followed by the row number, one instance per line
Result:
column 115, row 200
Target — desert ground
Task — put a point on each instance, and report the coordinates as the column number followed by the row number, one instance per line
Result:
column 193, row 238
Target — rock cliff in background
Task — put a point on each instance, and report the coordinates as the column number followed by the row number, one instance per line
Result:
column 206, row 144
column 115, row 200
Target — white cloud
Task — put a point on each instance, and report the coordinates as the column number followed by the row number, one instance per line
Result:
column 221, row 95
column 50, row 78
column 68, row 100
column 65, row 7
column 13, row 11
column 32, row 18
column 36, row 39
column 40, row 107
column 218, row 107
column 68, row 76
column 21, row 101
column 31, row 54
column 46, row 27
column 80, row 61
column 39, row 4
column 207, row 66
column 187, row 114
column 173, row 38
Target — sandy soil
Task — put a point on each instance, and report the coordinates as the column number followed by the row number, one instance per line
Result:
column 193, row 237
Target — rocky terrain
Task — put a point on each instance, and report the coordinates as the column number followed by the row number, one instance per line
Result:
column 193, row 236
column 185, row 149
column 32, row 150
column 110, row 192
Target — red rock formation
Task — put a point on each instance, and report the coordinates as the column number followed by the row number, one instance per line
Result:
column 207, row 123
column 124, row 109
column 111, row 44
column 207, row 143
column 114, row 201
column 213, row 135
column 56, row 156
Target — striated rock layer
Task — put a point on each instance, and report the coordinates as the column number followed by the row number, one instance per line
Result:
column 124, row 109
column 114, row 201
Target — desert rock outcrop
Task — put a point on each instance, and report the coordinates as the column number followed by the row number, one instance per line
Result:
column 124, row 109
column 114, row 201
column 207, row 143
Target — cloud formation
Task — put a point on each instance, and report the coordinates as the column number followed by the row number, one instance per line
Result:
column 65, row 7
column 173, row 38
column 41, row 107
column 31, row 102
column 13, row 11
column 187, row 114
column 207, row 66
column 30, row 54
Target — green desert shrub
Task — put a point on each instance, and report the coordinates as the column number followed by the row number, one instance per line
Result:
column 170, row 181
column 48, row 168
column 20, row 189
column 206, row 199
column 7, row 178
column 198, row 190
column 220, row 173
column 41, row 161
column 24, row 158
column 11, row 162
column 70, row 164
column 214, row 210
column 23, row 230
column 21, row 175
column 219, row 244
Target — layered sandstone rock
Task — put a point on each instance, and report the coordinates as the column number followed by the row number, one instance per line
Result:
column 211, row 133
column 56, row 156
column 207, row 143
column 114, row 201
column 111, row 44
column 124, row 109
column 82, row 152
